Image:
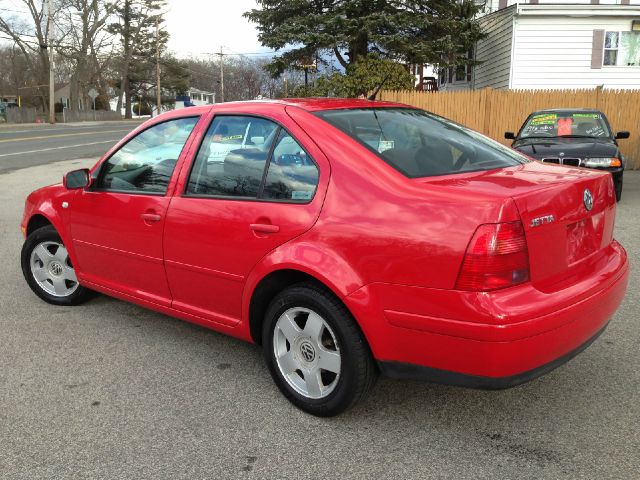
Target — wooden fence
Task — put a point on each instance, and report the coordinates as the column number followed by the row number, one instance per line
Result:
column 23, row 115
column 494, row 112
column 32, row 114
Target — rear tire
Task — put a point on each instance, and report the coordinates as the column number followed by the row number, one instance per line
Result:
column 48, row 270
column 315, row 352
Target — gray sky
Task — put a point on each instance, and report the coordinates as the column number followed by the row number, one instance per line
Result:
column 198, row 26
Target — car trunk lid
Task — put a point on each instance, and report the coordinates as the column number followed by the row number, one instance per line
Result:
column 552, row 201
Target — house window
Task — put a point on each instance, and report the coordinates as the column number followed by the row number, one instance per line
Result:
column 622, row 49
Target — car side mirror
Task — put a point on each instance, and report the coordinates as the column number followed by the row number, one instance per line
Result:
column 621, row 135
column 77, row 179
column 509, row 135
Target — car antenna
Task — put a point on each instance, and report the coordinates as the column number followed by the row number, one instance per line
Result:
column 372, row 97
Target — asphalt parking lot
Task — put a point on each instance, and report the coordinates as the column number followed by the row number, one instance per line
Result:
column 110, row 390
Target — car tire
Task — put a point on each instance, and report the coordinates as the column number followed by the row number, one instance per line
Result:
column 48, row 270
column 307, row 335
column 618, row 188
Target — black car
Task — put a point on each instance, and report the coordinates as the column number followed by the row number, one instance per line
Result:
column 575, row 137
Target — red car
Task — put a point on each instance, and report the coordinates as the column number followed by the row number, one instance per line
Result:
column 347, row 237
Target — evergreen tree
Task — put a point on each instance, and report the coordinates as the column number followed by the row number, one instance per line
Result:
column 136, row 28
column 408, row 31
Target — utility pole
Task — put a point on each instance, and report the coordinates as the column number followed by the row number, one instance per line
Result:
column 52, row 89
column 158, row 94
column 221, row 75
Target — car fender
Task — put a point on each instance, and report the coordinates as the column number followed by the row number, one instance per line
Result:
column 47, row 202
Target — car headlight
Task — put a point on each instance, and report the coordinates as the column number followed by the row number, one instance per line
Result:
column 602, row 162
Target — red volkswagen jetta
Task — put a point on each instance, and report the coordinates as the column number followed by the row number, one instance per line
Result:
column 347, row 237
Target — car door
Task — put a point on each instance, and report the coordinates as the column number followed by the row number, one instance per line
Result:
column 117, row 223
column 236, row 206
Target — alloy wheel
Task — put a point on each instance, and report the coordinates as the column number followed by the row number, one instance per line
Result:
column 52, row 269
column 307, row 352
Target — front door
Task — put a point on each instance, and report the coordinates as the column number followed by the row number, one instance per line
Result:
column 252, row 187
column 117, row 224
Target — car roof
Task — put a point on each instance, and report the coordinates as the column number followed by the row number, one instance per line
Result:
column 309, row 104
column 552, row 110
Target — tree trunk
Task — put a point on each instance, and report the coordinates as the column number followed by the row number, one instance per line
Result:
column 359, row 47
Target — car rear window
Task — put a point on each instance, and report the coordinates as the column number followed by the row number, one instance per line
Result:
column 420, row 144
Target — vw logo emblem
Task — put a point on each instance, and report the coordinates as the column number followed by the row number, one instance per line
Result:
column 56, row 269
column 307, row 351
column 587, row 197
column 561, row 154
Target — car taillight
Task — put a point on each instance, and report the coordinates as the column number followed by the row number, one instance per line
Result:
column 496, row 257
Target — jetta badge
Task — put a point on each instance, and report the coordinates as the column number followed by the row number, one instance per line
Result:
column 587, row 197
column 536, row 222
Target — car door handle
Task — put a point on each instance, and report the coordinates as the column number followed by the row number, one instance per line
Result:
column 151, row 217
column 264, row 228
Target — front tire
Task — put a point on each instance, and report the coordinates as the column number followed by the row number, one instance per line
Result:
column 48, row 270
column 618, row 188
column 315, row 352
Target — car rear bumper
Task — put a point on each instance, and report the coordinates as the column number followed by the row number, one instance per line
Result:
column 493, row 339
column 407, row 371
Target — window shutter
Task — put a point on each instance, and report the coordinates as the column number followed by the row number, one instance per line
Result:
column 597, row 49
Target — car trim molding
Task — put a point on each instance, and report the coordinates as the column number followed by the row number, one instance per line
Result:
column 118, row 251
column 207, row 271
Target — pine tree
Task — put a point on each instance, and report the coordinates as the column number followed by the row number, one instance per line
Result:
column 409, row 31
column 136, row 27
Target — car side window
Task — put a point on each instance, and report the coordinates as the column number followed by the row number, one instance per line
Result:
column 292, row 174
column 232, row 157
column 145, row 163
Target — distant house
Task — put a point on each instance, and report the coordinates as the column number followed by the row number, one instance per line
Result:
column 549, row 45
column 6, row 98
column 195, row 97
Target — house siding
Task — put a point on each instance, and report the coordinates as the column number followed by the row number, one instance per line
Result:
column 494, row 52
column 493, row 5
column 556, row 52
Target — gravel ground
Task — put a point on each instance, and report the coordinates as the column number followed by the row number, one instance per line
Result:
column 110, row 390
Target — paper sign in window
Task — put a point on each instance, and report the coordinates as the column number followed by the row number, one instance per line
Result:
column 564, row 126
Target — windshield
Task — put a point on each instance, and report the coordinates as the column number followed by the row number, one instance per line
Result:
column 565, row 124
column 420, row 144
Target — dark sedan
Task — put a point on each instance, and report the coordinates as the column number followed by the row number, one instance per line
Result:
column 574, row 137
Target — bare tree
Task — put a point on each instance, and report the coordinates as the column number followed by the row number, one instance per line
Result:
column 82, row 24
column 29, row 32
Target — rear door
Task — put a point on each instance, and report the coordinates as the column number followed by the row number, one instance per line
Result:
column 255, row 183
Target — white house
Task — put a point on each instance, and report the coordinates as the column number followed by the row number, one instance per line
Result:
column 545, row 44
column 195, row 97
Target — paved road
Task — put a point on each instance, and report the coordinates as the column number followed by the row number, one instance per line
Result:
column 112, row 391
column 30, row 145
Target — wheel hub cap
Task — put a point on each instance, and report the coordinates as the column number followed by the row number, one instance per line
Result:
column 307, row 352
column 55, row 269
column 52, row 270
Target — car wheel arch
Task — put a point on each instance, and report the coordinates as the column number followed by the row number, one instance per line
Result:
column 275, row 282
column 43, row 217
column 37, row 221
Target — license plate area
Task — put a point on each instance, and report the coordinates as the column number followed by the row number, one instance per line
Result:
column 584, row 237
